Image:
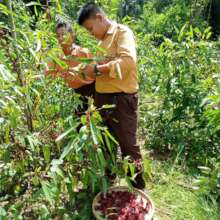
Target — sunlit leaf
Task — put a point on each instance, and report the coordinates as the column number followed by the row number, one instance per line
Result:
column 65, row 134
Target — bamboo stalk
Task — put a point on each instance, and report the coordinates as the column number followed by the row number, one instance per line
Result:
column 17, row 68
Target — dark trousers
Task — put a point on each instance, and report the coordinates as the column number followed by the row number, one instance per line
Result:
column 87, row 90
column 121, row 120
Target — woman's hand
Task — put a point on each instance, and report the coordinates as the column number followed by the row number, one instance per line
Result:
column 88, row 70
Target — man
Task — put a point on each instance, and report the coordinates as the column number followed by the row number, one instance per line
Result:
column 116, row 80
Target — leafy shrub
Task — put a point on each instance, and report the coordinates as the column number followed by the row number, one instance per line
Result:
column 179, row 76
column 163, row 17
column 208, row 182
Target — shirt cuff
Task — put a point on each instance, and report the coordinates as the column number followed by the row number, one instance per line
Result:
column 115, row 70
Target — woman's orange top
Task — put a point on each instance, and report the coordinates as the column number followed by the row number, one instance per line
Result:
column 73, row 80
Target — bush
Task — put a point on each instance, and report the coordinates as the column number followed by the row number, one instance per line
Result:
column 163, row 17
column 208, row 182
column 179, row 76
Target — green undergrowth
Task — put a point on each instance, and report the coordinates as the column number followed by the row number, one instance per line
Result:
column 174, row 197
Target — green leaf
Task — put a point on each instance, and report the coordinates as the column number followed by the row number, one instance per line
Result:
column 58, row 61
column 47, row 192
column 64, row 134
column 208, row 35
column 101, row 158
column 109, row 146
column 81, row 60
column 93, row 132
column 108, row 106
column 35, row 180
column 93, row 180
column 33, row 3
column 108, row 134
column 58, row 171
column 190, row 33
column 44, row 212
column 2, row 120
column 32, row 141
column 205, row 170
column 104, row 184
column 3, row 214
column 147, row 170
column 38, row 45
column 6, row 75
column 125, row 165
column 132, row 169
column 56, row 162
column 17, row 91
column 6, row 11
column 59, row 8
column 182, row 32
column 101, row 49
column 69, row 148
column 46, row 152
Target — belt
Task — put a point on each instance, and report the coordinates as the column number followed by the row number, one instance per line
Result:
column 116, row 93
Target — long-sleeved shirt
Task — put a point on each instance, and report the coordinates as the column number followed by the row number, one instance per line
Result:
column 119, row 43
column 72, row 79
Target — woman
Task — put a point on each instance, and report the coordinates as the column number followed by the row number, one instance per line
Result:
column 82, row 85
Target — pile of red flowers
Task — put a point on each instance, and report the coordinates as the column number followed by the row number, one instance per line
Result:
column 122, row 205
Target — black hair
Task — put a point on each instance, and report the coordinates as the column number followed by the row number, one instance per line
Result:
column 3, row 31
column 68, row 28
column 89, row 10
column 65, row 25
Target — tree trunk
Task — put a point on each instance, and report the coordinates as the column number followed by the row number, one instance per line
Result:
column 214, row 17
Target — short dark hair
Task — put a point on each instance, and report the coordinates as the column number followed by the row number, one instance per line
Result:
column 89, row 10
column 65, row 25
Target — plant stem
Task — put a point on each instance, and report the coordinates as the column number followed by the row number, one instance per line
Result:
column 17, row 68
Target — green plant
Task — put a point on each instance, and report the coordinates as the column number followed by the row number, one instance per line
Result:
column 48, row 170
column 212, row 112
column 208, row 182
column 179, row 76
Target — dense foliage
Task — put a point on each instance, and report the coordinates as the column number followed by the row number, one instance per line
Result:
column 48, row 170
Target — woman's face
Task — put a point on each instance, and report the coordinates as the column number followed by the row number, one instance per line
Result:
column 64, row 37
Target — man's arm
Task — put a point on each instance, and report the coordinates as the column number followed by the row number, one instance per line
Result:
column 125, row 60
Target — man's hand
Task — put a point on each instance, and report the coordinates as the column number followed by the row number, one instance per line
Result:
column 104, row 61
column 89, row 69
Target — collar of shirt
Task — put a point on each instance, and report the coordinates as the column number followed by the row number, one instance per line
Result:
column 110, row 30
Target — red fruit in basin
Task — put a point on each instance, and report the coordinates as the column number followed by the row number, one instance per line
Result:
column 122, row 205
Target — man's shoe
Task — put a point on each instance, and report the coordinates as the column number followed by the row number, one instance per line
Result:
column 138, row 182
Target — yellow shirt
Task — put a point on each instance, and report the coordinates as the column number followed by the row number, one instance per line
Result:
column 119, row 43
